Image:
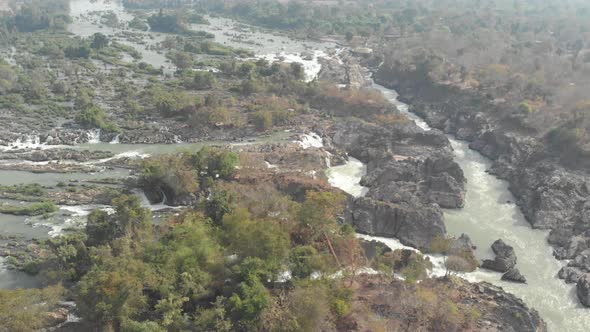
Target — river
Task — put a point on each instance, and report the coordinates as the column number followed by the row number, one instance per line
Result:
column 488, row 215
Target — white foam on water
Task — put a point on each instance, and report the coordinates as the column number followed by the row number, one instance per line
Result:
column 438, row 265
column 269, row 165
column 347, row 177
column 94, row 136
column 145, row 202
column 30, row 142
column 116, row 140
column 311, row 140
column 126, row 154
column 76, row 218
column 310, row 63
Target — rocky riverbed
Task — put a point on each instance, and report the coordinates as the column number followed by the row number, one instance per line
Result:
column 553, row 194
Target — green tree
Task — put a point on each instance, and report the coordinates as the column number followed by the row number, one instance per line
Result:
column 247, row 304
column 203, row 80
column 110, row 295
column 264, row 239
column 99, row 41
column 100, row 228
column 23, row 310
column 218, row 205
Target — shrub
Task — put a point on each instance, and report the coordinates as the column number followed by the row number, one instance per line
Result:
column 95, row 117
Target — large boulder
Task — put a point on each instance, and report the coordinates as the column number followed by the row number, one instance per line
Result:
column 505, row 257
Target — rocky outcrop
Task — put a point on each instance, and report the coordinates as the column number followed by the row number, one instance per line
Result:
column 413, row 227
column 410, row 175
column 505, row 257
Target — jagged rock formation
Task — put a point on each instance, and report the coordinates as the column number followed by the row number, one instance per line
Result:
column 552, row 192
column 410, row 175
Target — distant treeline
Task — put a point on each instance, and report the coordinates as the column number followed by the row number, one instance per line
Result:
column 37, row 15
column 148, row 4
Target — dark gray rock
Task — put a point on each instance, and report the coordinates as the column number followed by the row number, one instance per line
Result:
column 583, row 290
column 413, row 226
column 505, row 257
column 570, row 274
column 411, row 175
column 514, row 275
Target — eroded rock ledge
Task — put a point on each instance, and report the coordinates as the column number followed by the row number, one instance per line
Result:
column 411, row 176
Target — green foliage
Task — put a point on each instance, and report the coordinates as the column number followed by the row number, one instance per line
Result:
column 189, row 259
column 182, row 60
column 23, row 310
column 410, row 264
column 35, row 209
column 95, row 117
column 162, row 22
column 320, row 209
column 30, row 189
column 69, row 259
column 262, row 120
column 38, row 15
column 304, row 260
column 264, row 239
column 204, row 80
column 251, row 86
column 525, row 108
column 130, row 220
column 110, row 294
column 218, row 205
column 75, row 52
column 138, row 24
column 214, row 319
column 170, row 102
column 247, row 304
column 215, row 163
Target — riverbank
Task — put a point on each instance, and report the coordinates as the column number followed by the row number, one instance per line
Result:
column 516, row 159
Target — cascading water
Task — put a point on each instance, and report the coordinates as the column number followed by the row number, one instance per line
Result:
column 94, row 136
column 116, row 140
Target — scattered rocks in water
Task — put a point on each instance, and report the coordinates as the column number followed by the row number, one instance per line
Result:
column 505, row 257
column 514, row 275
